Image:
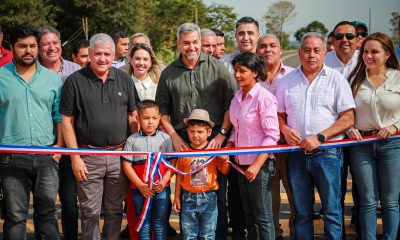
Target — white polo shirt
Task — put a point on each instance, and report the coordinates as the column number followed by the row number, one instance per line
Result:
column 334, row 62
column 312, row 108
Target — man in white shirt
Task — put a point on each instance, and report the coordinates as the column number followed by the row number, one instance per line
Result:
column 315, row 104
column 246, row 36
column 121, row 41
column 344, row 58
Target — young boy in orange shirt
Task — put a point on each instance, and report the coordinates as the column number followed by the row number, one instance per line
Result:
column 199, row 200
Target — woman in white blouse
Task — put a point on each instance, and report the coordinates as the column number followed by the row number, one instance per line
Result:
column 145, row 70
column 375, row 84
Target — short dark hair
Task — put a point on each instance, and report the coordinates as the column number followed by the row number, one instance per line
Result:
column 331, row 34
column 116, row 35
column 80, row 44
column 147, row 104
column 246, row 20
column 217, row 32
column 23, row 31
column 194, row 122
column 253, row 62
column 344, row 23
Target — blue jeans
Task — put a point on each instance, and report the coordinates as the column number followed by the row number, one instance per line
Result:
column 199, row 215
column 257, row 203
column 21, row 174
column 376, row 169
column 323, row 170
column 157, row 218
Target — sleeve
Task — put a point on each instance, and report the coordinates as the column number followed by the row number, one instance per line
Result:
column 280, row 97
column 230, row 86
column 269, row 120
column 129, row 146
column 56, row 104
column 68, row 98
column 131, row 94
column 163, row 95
column 344, row 96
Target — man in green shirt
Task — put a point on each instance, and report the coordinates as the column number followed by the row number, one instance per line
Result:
column 29, row 102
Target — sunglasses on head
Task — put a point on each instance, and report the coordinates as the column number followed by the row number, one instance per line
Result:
column 362, row 34
column 340, row 36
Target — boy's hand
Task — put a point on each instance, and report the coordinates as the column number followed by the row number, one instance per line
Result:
column 145, row 190
column 159, row 186
column 177, row 204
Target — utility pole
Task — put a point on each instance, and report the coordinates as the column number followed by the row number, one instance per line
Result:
column 85, row 27
column 196, row 14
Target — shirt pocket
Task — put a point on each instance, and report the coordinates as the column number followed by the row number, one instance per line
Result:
column 392, row 88
column 325, row 99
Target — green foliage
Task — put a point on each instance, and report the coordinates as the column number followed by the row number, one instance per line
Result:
column 277, row 15
column 314, row 26
column 159, row 19
column 395, row 27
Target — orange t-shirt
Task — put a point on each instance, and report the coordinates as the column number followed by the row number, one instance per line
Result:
column 204, row 180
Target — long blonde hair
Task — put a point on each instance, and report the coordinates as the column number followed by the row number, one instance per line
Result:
column 155, row 69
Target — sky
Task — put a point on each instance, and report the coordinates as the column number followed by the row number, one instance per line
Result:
column 327, row 12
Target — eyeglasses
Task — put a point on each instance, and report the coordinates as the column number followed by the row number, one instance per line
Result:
column 340, row 36
column 362, row 34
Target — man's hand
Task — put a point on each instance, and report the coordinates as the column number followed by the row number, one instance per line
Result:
column 56, row 157
column 177, row 204
column 145, row 190
column 217, row 141
column 292, row 136
column 179, row 144
column 79, row 168
column 386, row 132
column 310, row 143
column 251, row 173
column 355, row 134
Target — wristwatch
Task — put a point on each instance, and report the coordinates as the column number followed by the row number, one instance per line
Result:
column 223, row 131
column 321, row 137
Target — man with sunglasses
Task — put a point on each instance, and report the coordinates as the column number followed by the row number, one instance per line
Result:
column 344, row 58
column 362, row 32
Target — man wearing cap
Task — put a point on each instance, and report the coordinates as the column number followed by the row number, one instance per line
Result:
column 362, row 32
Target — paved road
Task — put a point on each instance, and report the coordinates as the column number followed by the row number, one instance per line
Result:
column 290, row 58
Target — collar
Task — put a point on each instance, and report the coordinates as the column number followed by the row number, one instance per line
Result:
column 119, row 60
column 111, row 73
column 202, row 58
column 324, row 71
column 145, row 135
column 199, row 148
column 253, row 91
column 12, row 66
column 353, row 58
column 146, row 82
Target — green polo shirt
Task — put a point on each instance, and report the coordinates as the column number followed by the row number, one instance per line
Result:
column 208, row 86
column 28, row 110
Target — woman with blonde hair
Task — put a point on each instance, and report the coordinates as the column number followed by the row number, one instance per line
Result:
column 375, row 83
column 145, row 70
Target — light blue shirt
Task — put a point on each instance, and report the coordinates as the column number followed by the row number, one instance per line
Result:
column 28, row 110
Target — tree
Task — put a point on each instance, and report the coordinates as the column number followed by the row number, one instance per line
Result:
column 395, row 25
column 314, row 26
column 277, row 15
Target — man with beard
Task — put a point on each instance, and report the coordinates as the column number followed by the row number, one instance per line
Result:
column 29, row 103
column 195, row 80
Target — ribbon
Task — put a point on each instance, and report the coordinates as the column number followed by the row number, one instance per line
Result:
column 155, row 159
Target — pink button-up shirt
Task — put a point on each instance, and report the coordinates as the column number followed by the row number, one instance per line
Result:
column 254, row 120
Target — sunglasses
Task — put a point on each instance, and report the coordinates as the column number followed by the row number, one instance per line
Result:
column 340, row 36
column 362, row 34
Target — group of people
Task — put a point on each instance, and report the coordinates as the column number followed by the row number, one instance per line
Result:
column 118, row 96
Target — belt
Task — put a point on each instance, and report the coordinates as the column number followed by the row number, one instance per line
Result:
column 368, row 133
column 306, row 152
column 121, row 145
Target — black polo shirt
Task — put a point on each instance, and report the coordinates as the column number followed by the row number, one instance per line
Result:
column 100, row 109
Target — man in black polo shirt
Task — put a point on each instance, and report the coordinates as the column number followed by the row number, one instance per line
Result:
column 98, row 111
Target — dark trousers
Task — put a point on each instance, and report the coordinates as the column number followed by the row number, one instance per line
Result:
column 69, row 200
column 222, row 220
column 257, row 203
column 356, row 206
column 21, row 174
